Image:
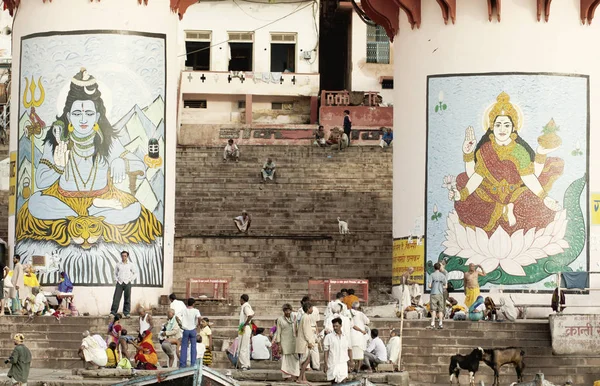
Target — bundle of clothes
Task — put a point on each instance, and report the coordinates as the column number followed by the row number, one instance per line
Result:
column 481, row 309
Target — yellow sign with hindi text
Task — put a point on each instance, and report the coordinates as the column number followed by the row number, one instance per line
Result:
column 595, row 208
column 408, row 255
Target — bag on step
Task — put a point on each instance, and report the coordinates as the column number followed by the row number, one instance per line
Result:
column 124, row 364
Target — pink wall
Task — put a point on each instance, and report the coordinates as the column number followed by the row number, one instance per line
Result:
column 362, row 116
column 217, row 135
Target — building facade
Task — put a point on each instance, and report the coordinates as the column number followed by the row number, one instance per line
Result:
column 246, row 63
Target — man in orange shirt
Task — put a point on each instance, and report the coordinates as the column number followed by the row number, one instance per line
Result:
column 350, row 298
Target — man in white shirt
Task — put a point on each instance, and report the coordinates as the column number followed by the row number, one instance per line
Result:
column 337, row 354
column 243, row 222
column 334, row 305
column 189, row 323
column 36, row 302
column 376, row 352
column 261, row 346
column 358, row 334
column 246, row 315
column 393, row 347
column 231, row 152
column 176, row 305
column 125, row 274
column 315, row 358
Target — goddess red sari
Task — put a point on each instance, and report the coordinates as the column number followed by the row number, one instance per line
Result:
column 501, row 168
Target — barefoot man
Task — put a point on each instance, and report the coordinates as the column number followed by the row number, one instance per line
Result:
column 472, row 283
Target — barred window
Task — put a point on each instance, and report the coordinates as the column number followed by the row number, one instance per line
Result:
column 378, row 45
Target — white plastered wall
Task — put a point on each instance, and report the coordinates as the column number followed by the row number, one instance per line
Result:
column 474, row 45
column 222, row 17
column 156, row 17
column 365, row 76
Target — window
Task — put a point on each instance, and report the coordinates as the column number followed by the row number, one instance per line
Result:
column 378, row 45
column 240, row 48
column 241, row 105
column 197, row 47
column 282, row 105
column 387, row 84
column 283, row 52
column 199, row 104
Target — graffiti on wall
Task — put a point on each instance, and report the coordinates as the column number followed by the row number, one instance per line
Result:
column 91, row 171
column 506, row 177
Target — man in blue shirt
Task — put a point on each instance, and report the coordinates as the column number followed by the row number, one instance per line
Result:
column 436, row 302
column 388, row 137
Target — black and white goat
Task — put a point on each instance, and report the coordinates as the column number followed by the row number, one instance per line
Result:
column 469, row 363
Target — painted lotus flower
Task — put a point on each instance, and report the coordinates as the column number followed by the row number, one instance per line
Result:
column 449, row 182
column 510, row 252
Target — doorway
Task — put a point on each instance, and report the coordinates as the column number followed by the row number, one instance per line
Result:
column 335, row 50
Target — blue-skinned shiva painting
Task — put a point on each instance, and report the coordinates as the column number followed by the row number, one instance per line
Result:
column 507, row 161
column 91, row 176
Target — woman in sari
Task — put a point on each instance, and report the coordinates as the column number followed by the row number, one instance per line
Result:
column 477, row 309
column 65, row 290
column 65, row 286
column 114, row 331
column 505, row 182
column 206, row 334
column 146, row 357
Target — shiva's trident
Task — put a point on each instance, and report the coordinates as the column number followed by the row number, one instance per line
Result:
column 36, row 124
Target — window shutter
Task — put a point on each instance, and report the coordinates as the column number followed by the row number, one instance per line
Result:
column 283, row 38
column 247, row 37
column 198, row 36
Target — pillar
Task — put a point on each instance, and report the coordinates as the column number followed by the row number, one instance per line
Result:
column 94, row 102
column 248, row 109
column 535, row 76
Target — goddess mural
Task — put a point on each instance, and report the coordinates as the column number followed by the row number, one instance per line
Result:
column 78, row 202
column 505, row 184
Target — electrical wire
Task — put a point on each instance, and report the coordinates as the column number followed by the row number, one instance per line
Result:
column 254, row 30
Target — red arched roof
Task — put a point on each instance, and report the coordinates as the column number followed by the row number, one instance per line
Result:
column 386, row 12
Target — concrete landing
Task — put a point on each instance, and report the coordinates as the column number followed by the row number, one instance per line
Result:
column 56, row 377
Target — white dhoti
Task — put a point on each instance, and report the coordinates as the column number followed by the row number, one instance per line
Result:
column 290, row 365
column 359, row 345
column 315, row 357
column 241, row 225
column 244, row 349
column 393, row 349
column 408, row 293
column 337, row 372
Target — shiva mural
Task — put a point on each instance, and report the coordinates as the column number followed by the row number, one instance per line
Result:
column 506, row 177
column 90, row 154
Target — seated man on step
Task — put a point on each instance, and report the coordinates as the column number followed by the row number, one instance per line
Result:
column 231, row 152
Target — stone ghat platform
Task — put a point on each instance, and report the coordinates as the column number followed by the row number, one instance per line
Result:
column 294, row 236
column 426, row 354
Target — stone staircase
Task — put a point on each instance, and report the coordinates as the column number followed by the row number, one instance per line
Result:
column 426, row 353
column 294, row 234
